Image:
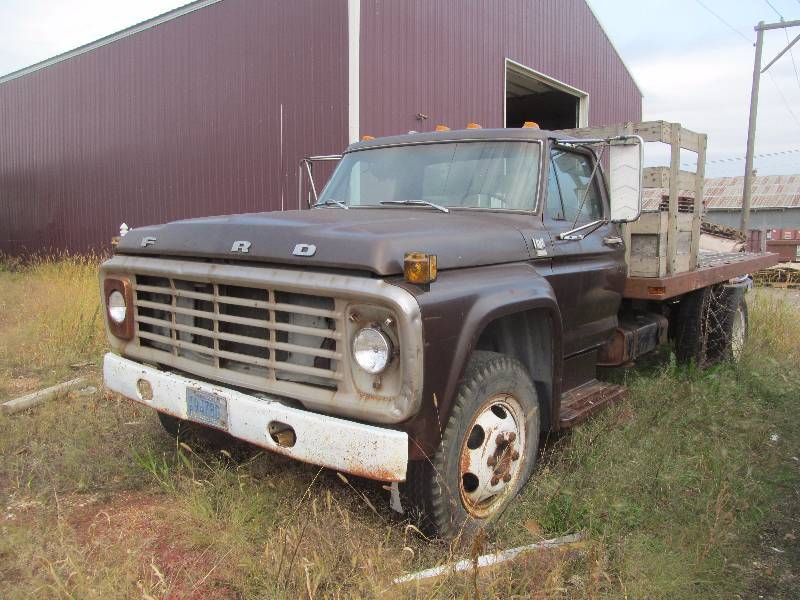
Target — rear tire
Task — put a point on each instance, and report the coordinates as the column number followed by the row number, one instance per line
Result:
column 711, row 325
column 487, row 454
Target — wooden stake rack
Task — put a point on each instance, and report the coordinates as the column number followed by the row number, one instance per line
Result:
column 663, row 243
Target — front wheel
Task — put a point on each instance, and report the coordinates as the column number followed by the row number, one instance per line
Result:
column 488, row 450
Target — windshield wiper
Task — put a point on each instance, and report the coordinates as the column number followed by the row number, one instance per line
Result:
column 332, row 201
column 417, row 203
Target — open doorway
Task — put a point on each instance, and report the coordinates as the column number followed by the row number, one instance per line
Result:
column 532, row 96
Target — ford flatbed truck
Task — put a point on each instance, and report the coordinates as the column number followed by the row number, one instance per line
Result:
column 446, row 301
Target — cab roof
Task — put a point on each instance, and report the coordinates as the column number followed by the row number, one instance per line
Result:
column 519, row 133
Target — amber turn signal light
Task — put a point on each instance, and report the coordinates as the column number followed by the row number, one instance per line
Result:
column 442, row 128
column 367, row 138
column 473, row 126
column 419, row 267
column 530, row 125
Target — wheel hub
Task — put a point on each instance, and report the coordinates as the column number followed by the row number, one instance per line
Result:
column 490, row 456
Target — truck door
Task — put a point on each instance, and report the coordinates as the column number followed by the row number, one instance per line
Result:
column 588, row 273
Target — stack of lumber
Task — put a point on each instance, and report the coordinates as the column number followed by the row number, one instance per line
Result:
column 784, row 275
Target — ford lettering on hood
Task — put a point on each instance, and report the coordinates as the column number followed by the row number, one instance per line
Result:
column 370, row 239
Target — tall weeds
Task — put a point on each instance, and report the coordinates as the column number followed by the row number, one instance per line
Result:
column 49, row 311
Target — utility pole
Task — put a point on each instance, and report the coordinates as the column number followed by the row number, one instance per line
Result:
column 751, row 128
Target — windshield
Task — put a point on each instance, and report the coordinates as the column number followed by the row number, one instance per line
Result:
column 494, row 175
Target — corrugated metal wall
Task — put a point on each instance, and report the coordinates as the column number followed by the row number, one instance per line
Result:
column 446, row 59
column 184, row 119
column 180, row 120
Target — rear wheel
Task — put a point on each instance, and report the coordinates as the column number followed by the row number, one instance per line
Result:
column 711, row 325
column 488, row 450
column 739, row 329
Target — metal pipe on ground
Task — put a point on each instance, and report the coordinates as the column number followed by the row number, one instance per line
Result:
column 488, row 559
column 36, row 398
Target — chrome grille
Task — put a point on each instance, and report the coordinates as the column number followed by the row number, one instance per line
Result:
column 268, row 333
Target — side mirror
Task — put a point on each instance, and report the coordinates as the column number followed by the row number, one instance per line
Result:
column 625, row 178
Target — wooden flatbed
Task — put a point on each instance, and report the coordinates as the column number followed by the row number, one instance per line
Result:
column 712, row 268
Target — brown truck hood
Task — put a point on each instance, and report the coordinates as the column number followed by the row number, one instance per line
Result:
column 370, row 239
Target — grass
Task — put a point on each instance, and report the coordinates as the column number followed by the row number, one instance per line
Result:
column 49, row 318
column 683, row 489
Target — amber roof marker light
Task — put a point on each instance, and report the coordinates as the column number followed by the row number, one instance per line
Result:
column 419, row 267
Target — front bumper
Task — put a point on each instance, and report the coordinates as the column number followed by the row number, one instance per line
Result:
column 363, row 450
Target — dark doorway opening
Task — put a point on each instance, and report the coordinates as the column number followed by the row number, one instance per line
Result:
column 528, row 98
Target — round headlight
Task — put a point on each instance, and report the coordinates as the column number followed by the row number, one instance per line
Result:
column 372, row 350
column 117, row 310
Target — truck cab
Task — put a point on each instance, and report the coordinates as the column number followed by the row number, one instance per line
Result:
column 447, row 298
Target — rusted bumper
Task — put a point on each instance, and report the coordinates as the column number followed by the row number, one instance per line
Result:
column 364, row 450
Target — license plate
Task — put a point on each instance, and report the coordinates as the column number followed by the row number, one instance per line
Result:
column 207, row 408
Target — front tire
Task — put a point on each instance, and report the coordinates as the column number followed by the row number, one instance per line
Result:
column 488, row 450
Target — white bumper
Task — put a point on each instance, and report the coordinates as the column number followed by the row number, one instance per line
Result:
column 363, row 450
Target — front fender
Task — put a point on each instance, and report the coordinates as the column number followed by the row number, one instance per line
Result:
column 456, row 309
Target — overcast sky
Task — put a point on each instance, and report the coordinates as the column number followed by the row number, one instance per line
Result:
column 693, row 66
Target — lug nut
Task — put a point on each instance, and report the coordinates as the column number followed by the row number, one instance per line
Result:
column 492, row 461
column 495, row 480
column 507, row 477
column 515, row 455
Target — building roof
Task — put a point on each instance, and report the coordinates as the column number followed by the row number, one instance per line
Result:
column 109, row 39
column 725, row 193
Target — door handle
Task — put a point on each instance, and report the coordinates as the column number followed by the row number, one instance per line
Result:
column 613, row 240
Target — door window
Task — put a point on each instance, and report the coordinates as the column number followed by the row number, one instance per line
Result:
column 569, row 182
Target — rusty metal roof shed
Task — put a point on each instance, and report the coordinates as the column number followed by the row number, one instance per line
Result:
column 725, row 193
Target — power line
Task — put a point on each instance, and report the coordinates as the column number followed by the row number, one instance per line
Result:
column 728, row 25
column 772, row 6
column 786, row 32
column 791, row 53
column 785, row 102
column 738, row 158
column 744, row 37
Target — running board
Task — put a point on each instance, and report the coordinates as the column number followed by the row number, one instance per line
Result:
column 583, row 401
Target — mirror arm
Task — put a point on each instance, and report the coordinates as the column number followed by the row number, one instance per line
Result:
column 573, row 234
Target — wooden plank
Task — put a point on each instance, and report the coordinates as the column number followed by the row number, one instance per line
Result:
column 653, row 131
column 31, row 400
column 674, row 167
column 648, row 266
column 685, row 222
column 684, row 242
column 662, row 288
column 658, row 177
column 699, row 189
column 650, row 222
column 682, row 262
column 647, row 245
column 649, row 131
column 689, row 139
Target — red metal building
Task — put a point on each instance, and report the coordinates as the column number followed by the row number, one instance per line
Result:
column 208, row 109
